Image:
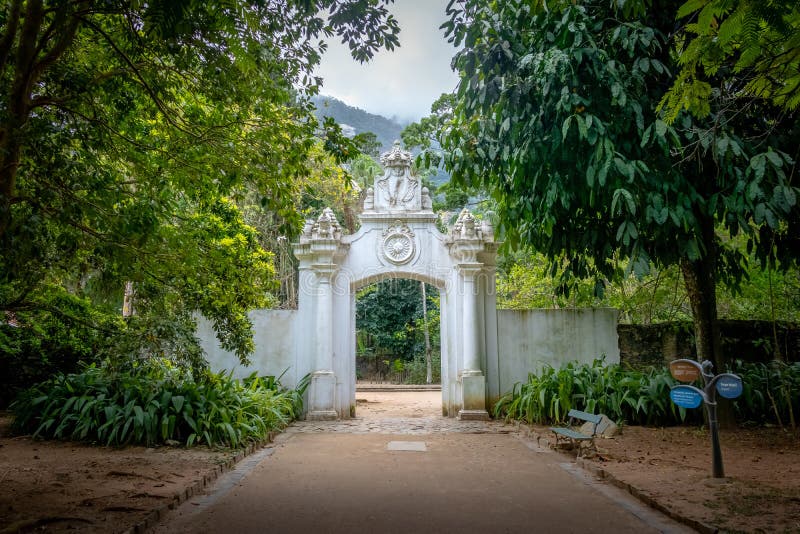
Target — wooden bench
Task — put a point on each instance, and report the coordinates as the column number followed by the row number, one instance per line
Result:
column 574, row 437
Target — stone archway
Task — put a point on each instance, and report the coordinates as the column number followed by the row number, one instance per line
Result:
column 398, row 238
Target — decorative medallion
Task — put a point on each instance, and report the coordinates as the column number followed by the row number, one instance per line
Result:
column 398, row 243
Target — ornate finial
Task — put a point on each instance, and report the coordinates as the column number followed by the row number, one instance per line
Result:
column 465, row 225
column 396, row 157
column 326, row 227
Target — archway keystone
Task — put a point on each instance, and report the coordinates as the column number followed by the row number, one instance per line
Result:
column 398, row 238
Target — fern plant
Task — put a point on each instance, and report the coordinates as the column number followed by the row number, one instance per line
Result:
column 155, row 403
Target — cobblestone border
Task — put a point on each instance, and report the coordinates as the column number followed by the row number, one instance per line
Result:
column 638, row 493
column 156, row 515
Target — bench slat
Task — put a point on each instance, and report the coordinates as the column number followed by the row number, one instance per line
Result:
column 577, row 414
column 572, row 434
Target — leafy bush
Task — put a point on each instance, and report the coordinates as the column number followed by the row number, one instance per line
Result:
column 623, row 395
column 418, row 370
column 155, row 402
column 770, row 393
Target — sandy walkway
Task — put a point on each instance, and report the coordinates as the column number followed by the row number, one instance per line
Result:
column 379, row 404
column 335, row 477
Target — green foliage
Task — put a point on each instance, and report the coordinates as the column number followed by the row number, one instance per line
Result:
column 733, row 51
column 386, row 131
column 416, row 369
column 524, row 281
column 389, row 318
column 364, row 169
column 771, row 392
column 153, row 402
column 62, row 331
column 556, row 116
column 642, row 397
column 125, row 131
column 633, row 397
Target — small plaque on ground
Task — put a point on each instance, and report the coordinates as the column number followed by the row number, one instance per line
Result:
column 418, row 446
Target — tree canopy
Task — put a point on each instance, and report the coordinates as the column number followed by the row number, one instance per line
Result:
column 556, row 116
column 126, row 128
column 733, row 52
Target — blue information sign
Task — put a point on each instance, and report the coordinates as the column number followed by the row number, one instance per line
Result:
column 686, row 396
column 729, row 386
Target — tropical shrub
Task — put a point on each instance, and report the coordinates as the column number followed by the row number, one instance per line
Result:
column 770, row 394
column 154, row 402
column 635, row 397
column 417, row 369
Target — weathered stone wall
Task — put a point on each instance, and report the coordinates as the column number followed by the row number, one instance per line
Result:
column 753, row 341
column 275, row 340
column 529, row 339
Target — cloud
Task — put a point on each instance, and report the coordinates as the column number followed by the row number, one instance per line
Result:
column 403, row 83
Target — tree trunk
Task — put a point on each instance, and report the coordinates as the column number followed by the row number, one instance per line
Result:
column 426, row 332
column 127, row 301
column 699, row 276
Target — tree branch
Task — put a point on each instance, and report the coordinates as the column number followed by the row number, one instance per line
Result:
column 10, row 32
column 153, row 96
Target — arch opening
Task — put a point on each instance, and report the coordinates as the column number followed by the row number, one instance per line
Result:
column 397, row 347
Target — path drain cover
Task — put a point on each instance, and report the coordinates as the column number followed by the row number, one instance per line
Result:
column 418, row 446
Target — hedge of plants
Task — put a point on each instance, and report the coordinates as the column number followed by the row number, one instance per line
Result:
column 771, row 395
column 156, row 402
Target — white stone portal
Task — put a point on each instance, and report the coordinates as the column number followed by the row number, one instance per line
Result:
column 398, row 238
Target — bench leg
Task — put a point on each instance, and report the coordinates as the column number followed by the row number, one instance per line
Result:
column 588, row 447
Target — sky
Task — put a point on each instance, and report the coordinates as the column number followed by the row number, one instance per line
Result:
column 401, row 84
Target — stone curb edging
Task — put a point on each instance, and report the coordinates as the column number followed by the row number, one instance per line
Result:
column 155, row 516
column 638, row 493
column 397, row 387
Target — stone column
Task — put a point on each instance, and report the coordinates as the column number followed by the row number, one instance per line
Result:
column 319, row 250
column 322, row 391
column 469, row 323
column 471, row 377
column 467, row 241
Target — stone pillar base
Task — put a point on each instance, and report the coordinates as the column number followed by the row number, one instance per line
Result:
column 321, row 394
column 473, row 415
column 322, row 415
column 473, row 396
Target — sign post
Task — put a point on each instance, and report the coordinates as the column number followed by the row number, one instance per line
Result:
column 686, row 396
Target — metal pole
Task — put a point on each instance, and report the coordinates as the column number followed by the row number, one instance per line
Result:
column 717, row 469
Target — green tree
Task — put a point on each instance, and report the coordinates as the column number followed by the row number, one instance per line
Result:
column 368, row 144
column 556, row 117
column 734, row 51
column 126, row 127
column 391, row 314
column 364, row 169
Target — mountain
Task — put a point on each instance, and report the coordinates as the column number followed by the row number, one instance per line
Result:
column 358, row 120
column 355, row 121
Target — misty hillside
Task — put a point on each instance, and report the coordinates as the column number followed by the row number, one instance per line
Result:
column 355, row 121
column 361, row 121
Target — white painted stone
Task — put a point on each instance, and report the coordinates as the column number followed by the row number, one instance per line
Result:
column 416, row 446
column 483, row 351
column 530, row 339
column 275, row 342
column 398, row 238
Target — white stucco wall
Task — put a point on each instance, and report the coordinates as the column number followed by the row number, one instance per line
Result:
column 275, row 340
column 529, row 339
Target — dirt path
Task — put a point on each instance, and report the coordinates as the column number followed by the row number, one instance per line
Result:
column 345, row 477
column 67, row 487
column 380, row 404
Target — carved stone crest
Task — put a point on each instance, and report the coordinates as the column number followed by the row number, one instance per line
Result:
column 397, row 189
column 398, row 245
